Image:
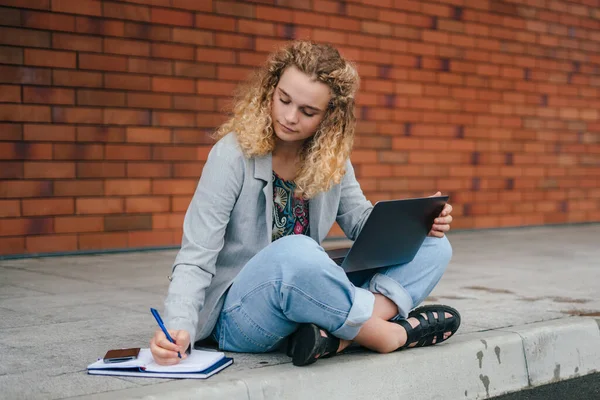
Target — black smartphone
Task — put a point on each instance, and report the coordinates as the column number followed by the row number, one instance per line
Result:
column 121, row 355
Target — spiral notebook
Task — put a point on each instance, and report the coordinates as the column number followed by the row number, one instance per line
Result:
column 199, row 364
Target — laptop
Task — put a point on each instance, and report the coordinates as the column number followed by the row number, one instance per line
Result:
column 392, row 234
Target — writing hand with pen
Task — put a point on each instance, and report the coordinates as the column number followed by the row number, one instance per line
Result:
column 168, row 346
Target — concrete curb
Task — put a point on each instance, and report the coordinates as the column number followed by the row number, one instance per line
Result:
column 471, row 366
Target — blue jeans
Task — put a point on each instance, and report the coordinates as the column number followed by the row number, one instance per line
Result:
column 293, row 281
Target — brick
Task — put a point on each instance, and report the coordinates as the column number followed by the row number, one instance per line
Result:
column 147, row 31
column 195, row 70
column 16, row 112
column 234, row 9
column 252, row 59
column 48, row 95
column 148, row 135
column 174, row 153
column 10, row 94
column 49, row 58
column 35, row 76
column 24, row 37
column 143, row 100
column 76, row 115
column 96, row 26
column 25, row 151
column 148, row 170
column 167, row 221
column 102, row 62
column 126, row 117
column 193, row 36
column 100, row 98
column 205, row 5
column 193, row 103
column 210, row 120
column 51, row 243
column 172, row 51
column 49, row 170
column 171, row 17
column 36, row 4
column 126, row 152
column 73, row 151
column 154, row 238
column 173, row 85
column 233, row 73
column 79, row 187
column 18, row 189
column 78, row 224
column 10, row 208
column 11, row 170
column 67, row 41
column 25, row 226
column 93, row 169
column 96, row 241
column 125, row 11
column 210, row 55
column 147, row 204
column 188, row 170
column 104, row 205
column 49, row 133
column 48, row 21
column 174, row 186
column 205, row 87
column 215, row 22
column 147, row 66
column 174, row 119
column 244, row 42
column 87, row 7
column 127, row 223
column 100, row 134
column 126, row 47
column 256, row 27
column 180, row 203
column 47, row 207
column 126, row 81
column 11, row 55
column 126, row 187
column 76, row 78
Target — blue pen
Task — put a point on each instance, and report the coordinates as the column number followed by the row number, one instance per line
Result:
column 162, row 326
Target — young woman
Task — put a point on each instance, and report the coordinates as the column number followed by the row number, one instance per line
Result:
column 251, row 271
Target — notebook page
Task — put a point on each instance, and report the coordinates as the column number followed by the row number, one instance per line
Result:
column 197, row 361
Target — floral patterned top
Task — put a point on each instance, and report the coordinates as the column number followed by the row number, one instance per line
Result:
column 290, row 214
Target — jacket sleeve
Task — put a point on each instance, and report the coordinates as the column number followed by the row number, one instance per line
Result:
column 204, row 228
column 354, row 208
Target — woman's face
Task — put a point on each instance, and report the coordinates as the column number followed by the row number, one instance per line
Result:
column 299, row 105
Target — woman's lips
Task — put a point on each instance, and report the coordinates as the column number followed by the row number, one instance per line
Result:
column 286, row 128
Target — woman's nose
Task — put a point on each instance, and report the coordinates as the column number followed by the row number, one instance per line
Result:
column 291, row 115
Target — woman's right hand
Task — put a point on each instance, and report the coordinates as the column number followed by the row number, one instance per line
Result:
column 165, row 352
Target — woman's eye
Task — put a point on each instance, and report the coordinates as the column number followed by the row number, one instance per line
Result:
column 307, row 114
column 284, row 101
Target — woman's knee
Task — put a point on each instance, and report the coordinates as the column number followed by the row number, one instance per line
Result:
column 295, row 255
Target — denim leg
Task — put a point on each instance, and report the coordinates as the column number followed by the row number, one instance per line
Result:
column 407, row 285
column 289, row 282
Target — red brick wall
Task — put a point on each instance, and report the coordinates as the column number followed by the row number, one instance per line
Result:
column 106, row 107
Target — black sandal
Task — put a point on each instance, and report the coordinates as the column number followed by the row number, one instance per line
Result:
column 430, row 327
column 308, row 344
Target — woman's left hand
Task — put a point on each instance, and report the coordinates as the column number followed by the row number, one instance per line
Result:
column 441, row 224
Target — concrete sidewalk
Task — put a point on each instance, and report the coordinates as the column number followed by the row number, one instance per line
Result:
column 528, row 298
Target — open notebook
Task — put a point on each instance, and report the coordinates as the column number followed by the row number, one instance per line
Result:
column 200, row 364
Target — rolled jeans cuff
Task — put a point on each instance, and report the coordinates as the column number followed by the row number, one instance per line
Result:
column 391, row 289
column 360, row 312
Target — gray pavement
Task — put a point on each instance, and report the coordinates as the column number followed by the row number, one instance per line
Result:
column 528, row 298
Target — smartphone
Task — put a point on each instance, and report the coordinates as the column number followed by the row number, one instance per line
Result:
column 121, row 355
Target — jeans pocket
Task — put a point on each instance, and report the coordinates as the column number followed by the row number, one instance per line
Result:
column 239, row 333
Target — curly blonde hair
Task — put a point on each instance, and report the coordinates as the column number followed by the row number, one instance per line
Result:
column 323, row 157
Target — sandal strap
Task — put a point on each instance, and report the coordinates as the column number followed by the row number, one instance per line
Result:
column 430, row 327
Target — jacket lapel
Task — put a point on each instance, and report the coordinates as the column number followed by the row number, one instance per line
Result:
column 263, row 170
column 314, row 216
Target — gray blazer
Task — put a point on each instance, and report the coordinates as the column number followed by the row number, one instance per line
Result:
column 229, row 220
